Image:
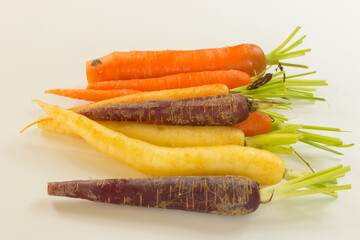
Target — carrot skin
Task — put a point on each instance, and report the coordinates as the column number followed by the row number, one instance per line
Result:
column 91, row 94
column 210, row 111
column 223, row 195
column 248, row 58
column 257, row 123
column 230, row 78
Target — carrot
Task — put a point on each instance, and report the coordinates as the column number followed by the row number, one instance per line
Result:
column 276, row 141
column 231, row 78
column 257, row 123
column 248, row 58
column 222, row 195
column 263, row 166
column 91, row 95
column 164, row 95
column 211, row 111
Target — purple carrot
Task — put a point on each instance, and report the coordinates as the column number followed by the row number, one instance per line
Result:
column 230, row 195
column 211, row 111
column 223, row 195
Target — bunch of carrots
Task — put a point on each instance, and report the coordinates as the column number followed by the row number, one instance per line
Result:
column 198, row 121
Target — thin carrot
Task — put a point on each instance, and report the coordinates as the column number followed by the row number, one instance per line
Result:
column 231, row 78
column 262, row 166
column 248, row 58
column 165, row 95
column 257, row 123
column 90, row 94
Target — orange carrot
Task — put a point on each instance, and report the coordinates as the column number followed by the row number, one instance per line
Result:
column 257, row 123
column 248, row 58
column 91, row 95
column 230, row 78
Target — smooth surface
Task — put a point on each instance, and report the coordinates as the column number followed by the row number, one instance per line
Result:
column 44, row 44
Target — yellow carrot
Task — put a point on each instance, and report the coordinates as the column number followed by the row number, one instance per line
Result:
column 262, row 166
column 164, row 135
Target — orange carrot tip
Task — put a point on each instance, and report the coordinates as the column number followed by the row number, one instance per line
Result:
column 91, row 95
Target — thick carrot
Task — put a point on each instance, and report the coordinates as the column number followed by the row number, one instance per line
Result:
column 211, row 111
column 90, row 94
column 164, row 95
column 230, row 78
column 248, row 58
column 164, row 135
column 263, row 166
column 222, row 195
column 257, row 123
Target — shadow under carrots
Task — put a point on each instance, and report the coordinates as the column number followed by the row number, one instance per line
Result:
column 269, row 217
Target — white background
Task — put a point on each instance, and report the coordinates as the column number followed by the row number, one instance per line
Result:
column 44, row 44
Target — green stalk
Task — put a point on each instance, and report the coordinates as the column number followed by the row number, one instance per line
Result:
column 277, row 88
column 292, row 54
column 304, row 161
column 301, row 74
column 308, row 89
column 272, row 139
column 294, row 65
column 316, row 140
column 281, row 52
column 274, row 115
column 295, row 44
column 320, row 146
column 278, row 149
column 317, row 182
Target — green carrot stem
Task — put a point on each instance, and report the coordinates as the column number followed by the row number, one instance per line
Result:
column 292, row 174
column 282, row 107
column 280, row 53
column 300, row 75
column 308, row 89
column 287, row 129
column 300, row 93
column 278, row 149
column 309, row 179
column 278, row 74
column 274, row 115
column 325, row 190
column 345, row 145
column 282, row 95
column 292, row 54
column 289, row 189
column 304, row 161
column 283, row 44
column 320, row 146
column 321, row 138
column 295, row 44
column 321, row 128
column 272, row 139
column 294, row 65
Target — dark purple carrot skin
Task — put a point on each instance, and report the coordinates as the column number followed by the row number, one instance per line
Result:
column 210, row 111
column 223, row 195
